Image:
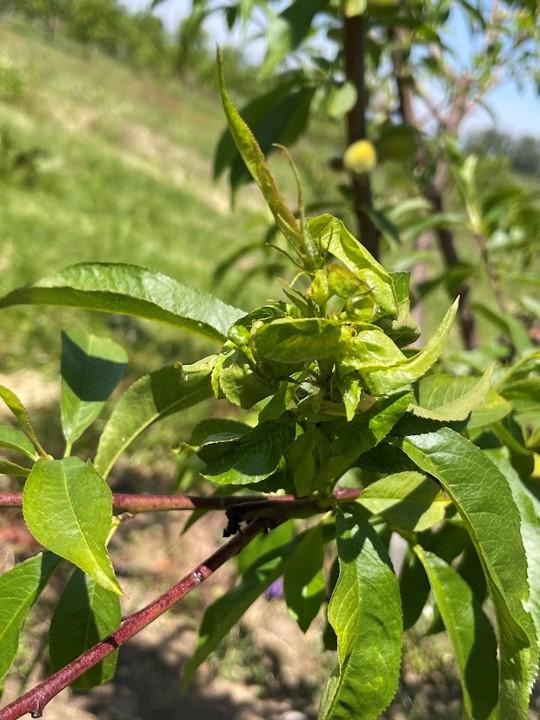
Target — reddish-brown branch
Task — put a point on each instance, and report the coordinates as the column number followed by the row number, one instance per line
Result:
column 36, row 699
column 123, row 502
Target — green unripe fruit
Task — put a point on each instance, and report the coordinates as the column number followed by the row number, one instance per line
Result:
column 396, row 142
column 360, row 157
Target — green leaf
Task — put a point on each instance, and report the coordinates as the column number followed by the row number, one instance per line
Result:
column 263, row 544
column 237, row 381
column 91, row 368
column 304, row 582
column 363, row 432
column 365, row 612
column 19, row 589
column 288, row 30
column 490, row 411
column 411, row 369
column 292, row 340
column 10, row 468
column 253, row 157
column 249, row 458
column 449, row 398
column 21, row 413
column 276, row 117
column 130, row 290
column 414, row 589
column 482, row 495
column 529, row 509
column 14, row 439
column 225, row 612
column 147, row 401
column 68, row 508
column 407, row 500
column 470, row 632
column 340, row 100
column 86, row 613
column 329, row 232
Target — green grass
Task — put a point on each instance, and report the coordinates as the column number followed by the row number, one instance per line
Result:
column 123, row 175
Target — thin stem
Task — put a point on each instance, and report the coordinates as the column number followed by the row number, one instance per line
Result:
column 36, row 699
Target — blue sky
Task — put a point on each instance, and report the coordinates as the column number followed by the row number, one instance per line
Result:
column 515, row 112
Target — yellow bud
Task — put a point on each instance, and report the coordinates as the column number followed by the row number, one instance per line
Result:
column 360, row 157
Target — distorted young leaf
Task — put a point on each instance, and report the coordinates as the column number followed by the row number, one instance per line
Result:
column 304, row 582
column 19, row 589
column 351, row 392
column 409, row 501
column 329, row 232
column 294, row 341
column 21, row 413
column 153, row 397
column 470, row 633
column 86, row 613
column 239, row 384
column 68, row 508
column 276, row 117
column 130, row 290
column 365, row 612
column 450, row 398
column 91, row 367
column 253, row 157
column 250, row 458
column 14, row 439
column 482, row 495
column 411, row 369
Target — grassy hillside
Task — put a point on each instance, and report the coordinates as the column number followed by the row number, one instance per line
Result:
column 119, row 170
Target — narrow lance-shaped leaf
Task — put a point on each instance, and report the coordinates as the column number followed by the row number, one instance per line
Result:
column 484, row 500
column 254, row 159
column 86, row 613
column 91, row 368
column 153, row 397
column 529, row 509
column 130, row 290
column 470, row 632
column 365, row 612
column 19, row 589
column 10, row 468
column 21, row 413
column 304, row 582
column 68, row 508
column 14, row 439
